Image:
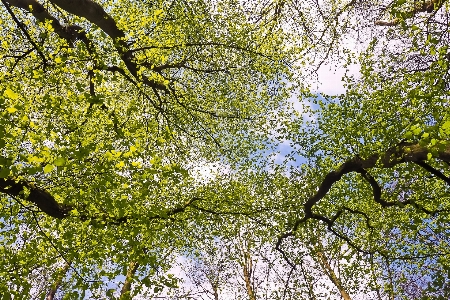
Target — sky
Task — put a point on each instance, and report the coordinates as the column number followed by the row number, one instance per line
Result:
column 329, row 83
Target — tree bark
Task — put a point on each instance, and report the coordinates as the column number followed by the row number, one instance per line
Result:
column 323, row 261
column 248, row 271
column 52, row 292
column 126, row 288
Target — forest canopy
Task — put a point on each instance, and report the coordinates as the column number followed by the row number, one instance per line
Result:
column 181, row 150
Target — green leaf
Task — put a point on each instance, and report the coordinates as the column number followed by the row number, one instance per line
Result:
column 446, row 127
column 59, row 162
column 6, row 296
column 10, row 94
column 48, row 168
column 417, row 131
column 4, row 172
column 11, row 110
column 408, row 135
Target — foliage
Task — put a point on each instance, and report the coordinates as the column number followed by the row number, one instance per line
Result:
column 111, row 111
column 379, row 153
column 105, row 111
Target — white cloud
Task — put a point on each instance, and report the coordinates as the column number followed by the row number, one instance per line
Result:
column 330, row 79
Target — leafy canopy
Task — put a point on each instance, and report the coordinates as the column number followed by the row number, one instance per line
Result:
column 110, row 108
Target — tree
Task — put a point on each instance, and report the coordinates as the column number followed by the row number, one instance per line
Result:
column 378, row 155
column 106, row 107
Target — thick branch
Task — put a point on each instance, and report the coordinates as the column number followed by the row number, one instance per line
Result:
column 48, row 205
column 70, row 33
column 41, row 198
column 95, row 14
column 376, row 189
column 404, row 152
column 424, row 6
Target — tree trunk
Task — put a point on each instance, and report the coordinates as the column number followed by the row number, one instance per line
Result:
column 215, row 292
column 126, row 288
column 52, row 292
column 248, row 268
column 330, row 273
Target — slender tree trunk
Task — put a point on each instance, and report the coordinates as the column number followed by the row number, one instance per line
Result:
column 330, row 273
column 248, row 269
column 212, row 275
column 215, row 292
column 52, row 292
column 126, row 288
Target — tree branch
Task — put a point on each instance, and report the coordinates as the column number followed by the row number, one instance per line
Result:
column 41, row 198
column 433, row 171
column 25, row 32
column 402, row 153
column 69, row 33
column 420, row 6
column 95, row 14
column 48, row 205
